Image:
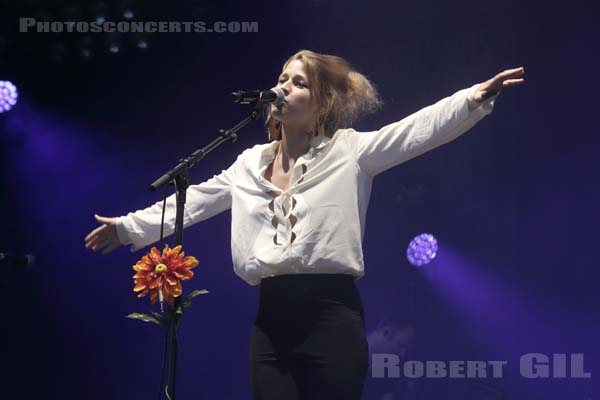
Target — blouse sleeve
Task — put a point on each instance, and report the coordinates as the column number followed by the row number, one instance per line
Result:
column 204, row 200
column 420, row 132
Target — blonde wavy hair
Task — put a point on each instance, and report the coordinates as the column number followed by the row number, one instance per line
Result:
column 342, row 94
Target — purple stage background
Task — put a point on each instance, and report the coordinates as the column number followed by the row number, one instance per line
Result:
column 513, row 202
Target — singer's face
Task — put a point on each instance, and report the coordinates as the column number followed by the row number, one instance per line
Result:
column 299, row 107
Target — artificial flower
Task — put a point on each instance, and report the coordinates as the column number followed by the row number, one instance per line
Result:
column 163, row 273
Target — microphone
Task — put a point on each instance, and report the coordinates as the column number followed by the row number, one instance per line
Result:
column 11, row 259
column 274, row 95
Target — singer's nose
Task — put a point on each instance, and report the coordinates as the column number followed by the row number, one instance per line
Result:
column 285, row 87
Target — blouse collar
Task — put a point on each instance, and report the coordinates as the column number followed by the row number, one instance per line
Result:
column 316, row 143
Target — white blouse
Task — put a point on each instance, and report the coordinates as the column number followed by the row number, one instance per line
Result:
column 317, row 224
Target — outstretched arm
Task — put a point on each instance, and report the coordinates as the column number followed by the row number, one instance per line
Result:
column 142, row 227
column 429, row 127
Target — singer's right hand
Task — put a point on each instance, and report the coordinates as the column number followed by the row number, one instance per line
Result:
column 103, row 237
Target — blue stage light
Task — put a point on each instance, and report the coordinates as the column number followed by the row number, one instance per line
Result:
column 8, row 96
column 422, row 249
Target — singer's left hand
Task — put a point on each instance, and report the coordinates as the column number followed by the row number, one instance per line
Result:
column 508, row 78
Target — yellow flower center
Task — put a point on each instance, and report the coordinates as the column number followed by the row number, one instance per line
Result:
column 160, row 268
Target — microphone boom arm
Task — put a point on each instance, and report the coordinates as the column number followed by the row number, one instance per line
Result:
column 189, row 161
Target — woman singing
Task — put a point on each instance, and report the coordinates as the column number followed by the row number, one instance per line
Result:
column 298, row 208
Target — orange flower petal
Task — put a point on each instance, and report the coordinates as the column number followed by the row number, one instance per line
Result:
column 141, row 267
column 154, row 255
column 177, row 290
column 171, row 279
column 165, row 253
column 155, row 282
column 183, row 274
column 153, row 296
column 139, row 286
column 175, row 250
column 190, row 262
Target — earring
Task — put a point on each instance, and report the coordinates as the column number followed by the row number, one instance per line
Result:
column 273, row 129
column 319, row 128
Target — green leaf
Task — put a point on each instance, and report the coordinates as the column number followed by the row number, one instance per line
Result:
column 196, row 293
column 143, row 317
column 187, row 301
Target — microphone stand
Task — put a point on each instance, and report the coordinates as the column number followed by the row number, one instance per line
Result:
column 179, row 176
